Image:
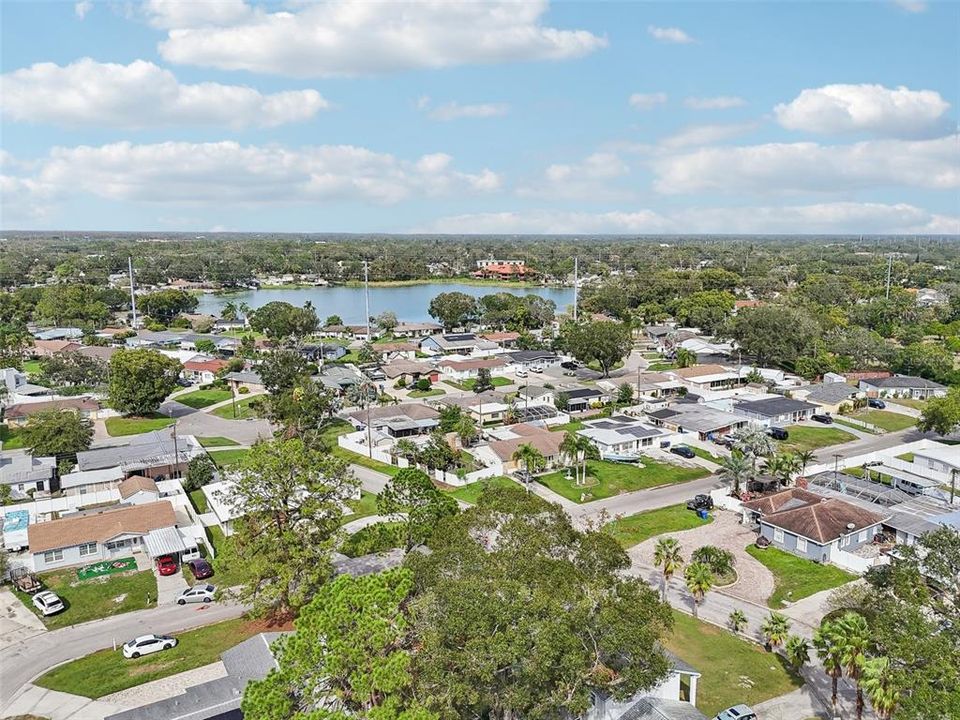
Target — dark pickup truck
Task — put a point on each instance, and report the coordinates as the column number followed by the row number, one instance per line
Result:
column 700, row 502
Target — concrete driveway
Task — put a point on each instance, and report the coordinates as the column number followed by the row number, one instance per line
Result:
column 754, row 582
column 17, row 622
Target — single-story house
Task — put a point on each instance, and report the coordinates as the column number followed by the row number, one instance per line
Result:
column 468, row 369
column 413, row 329
column 938, row 457
column 49, row 348
column 339, row 377
column 905, row 386
column 138, row 490
column 106, row 534
column 393, row 350
column 103, row 353
column 814, row 527
column 776, row 411
column 708, row 377
column 829, row 396
column 409, row 370
column 674, row 698
column 86, row 407
column 250, row 379
column 529, row 358
column 458, row 344
column 156, row 455
column 60, row 333
column 580, row 399
column 503, row 339
column 218, row 496
column 623, row 435
column 535, row 393
column 202, row 369
column 499, row 453
column 16, row 384
column 706, row 349
column 78, row 482
column 322, row 351
column 706, row 421
column 403, row 420
column 657, row 385
column 23, row 472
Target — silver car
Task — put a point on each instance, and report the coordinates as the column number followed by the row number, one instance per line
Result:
column 197, row 594
column 48, row 602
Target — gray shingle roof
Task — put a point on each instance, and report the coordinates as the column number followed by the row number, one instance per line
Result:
column 904, row 381
column 652, row 708
column 830, row 393
column 771, row 407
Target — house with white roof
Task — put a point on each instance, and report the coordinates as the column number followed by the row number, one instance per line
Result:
column 622, row 435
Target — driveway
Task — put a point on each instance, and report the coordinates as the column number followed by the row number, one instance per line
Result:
column 754, row 582
column 17, row 623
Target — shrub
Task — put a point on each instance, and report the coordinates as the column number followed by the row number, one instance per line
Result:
column 423, row 384
column 401, row 383
column 372, row 539
column 200, row 472
column 243, row 390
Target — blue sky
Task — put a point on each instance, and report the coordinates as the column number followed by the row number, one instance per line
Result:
column 481, row 117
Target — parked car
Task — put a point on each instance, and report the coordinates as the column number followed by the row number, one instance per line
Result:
column 200, row 568
column 700, row 502
column 737, row 712
column 167, row 565
column 521, row 373
column 724, row 440
column 876, row 403
column 198, row 593
column 821, row 418
column 778, row 433
column 570, row 373
column 570, row 365
column 48, row 603
column 146, row 644
column 683, row 451
column 536, row 368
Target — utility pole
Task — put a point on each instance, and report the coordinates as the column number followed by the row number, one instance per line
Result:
column 176, row 451
column 133, row 297
column 576, row 286
column 953, row 484
column 366, row 294
column 889, row 270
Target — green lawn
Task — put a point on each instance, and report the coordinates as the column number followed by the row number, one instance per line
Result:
column 889, row 421
column 571, row 426
column 96, row 598
column 634, row 529
column 244, row 411
column 330, row 434
column 803, row 437
column 222, row 578
column 909, row 402
column 203, row 398
column 734, row 670
column 199, row 501
column 470, row 492
column 432, row 392
column 908, row 456
column 11, row 438
column 216, row 441
column 797, row 577
column 107, row 671
column 606, row 479
column 706, row 455
column 660, row 366
column 850, row 424
column 469, row 383
column 364, row 507
column 32, row 367
column 136, row 425
column 226, row 458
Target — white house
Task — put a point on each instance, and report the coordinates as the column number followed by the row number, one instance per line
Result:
column 623, row 435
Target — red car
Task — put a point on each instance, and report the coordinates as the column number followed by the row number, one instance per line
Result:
column 166, row 565
column 200, row 568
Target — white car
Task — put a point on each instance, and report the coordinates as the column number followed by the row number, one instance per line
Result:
column 146, row 644
column 48, row 602
column 737, row 712
column 536, row 369
column 198, row 593
column 521, row 373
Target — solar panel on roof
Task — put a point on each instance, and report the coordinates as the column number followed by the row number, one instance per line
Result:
column 639, row 432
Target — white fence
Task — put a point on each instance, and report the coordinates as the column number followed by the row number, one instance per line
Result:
column 358, row 445
column 722, row 499
column 454, row 479
column 855, row 563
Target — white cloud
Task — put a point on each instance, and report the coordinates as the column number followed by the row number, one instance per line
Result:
column 585, row 180
column 669, row 35
column 225, row 173
column 842, row 217
column 899, row 112
column 140, row 94
column 695, row 135
column 811, row 167
column 723, row 102
column 81, row 8
column 912, row 6
column 647, row 101
column 358, row 37
column 455, row 111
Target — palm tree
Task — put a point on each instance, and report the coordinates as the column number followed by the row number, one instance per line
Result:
column 789, row 466
column 467, row 430
column 229, row 311
column 667, row 556
column 853, row 635
column 737, row 620
column 245, row 310
column 754, row 443
column 878, row 683
column 685, row 358
column 798, row 651
column 570, row 447
column 736, row 469
column 805, row 457
column 531, row 458
column 699, row 579
column 775, row 629
column 829, row 654
column 719, row 561
column 406, row 449
column 587, row 451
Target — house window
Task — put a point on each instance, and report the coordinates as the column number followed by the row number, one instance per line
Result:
column 862, row 536
column 778, row 535
column 52, row 556
column 117, row 544
column 801, row 545
column 89, row 548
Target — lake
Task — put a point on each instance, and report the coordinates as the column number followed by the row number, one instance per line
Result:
column 409, row 302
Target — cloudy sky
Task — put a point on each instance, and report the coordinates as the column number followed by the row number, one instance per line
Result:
column 460, row 117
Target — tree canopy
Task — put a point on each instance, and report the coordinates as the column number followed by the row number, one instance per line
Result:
column 140, row 380
column 57, row 432
column 603, row 342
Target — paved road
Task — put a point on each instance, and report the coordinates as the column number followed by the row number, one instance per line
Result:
column 23, row 661
column 196, row 422
column 871, row 443
column 642, row 500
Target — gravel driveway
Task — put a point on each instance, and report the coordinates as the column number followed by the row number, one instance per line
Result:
column 754, row 582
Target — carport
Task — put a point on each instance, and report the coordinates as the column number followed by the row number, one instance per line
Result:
column 164, row 541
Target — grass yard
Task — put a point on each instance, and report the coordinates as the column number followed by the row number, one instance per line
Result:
column 848, row 423
column 471, row 492
column 432, row 392
column 222, row 577
column 797, row 577
column 606, row 479
column 889, row 421
column 96, row 598
column 660, row 366
column 571, row 426
column 107, row 671
column 364, row 507
column 470, row 382
column 909, row 402
column 11, row 438
column 634, row 529
column 705, row 454
column 136, row 425
column 244, row 410
column 811, row 438
column 199, row 501
column 217, row 441
column 734, row 670
column 32, row 367
column 907, row 456
column 203, row 398
column 340, row 427
column 227, row 458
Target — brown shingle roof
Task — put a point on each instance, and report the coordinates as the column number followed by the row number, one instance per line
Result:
column 700, row 371
column 462, row 365
column 138, row 519
column 778, row 501
column 56, row 346
column 134, row 484
column 548, row 443
column 825, row 521
column 26, row 409
column 414, row 411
